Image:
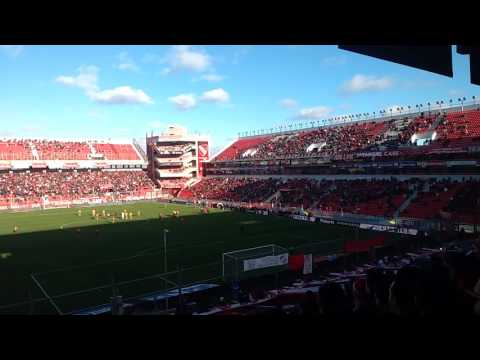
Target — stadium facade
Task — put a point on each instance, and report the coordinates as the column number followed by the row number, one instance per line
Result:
column 176, row 158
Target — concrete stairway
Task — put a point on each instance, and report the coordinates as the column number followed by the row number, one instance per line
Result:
column 270, row 198
column 405, row 204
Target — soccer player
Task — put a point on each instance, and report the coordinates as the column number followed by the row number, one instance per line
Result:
column 93, row 213
column 123, row 215
column 103, row 212
column 79, row 212
column 138, row 213
column 131, row 216
column 15, row 228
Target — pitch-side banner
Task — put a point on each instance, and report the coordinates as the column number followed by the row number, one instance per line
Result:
column 265, row 262
column 303, row 218
column 307, row 264
column 389, row 229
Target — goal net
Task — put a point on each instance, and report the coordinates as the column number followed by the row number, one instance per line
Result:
column 252, row 262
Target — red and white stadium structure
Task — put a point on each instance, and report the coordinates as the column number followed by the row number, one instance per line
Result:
column 408, row 164
column 176, row 159
column 48, row 173
column 411, row 164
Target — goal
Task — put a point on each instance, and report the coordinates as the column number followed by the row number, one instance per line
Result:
column 252, row 262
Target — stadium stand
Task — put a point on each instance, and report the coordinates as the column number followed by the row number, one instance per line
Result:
column 61, row 150
column 15, row 150
column 32, row 149
column 230, row 189
column 459, row 125
column 453, row 129
column 70, row 184
column 366, row 197
column 239, row 147
column 117, row 151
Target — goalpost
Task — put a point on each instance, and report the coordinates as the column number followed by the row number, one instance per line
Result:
column 261, row 260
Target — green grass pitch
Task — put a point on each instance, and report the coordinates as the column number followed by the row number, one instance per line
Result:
column 48, row 240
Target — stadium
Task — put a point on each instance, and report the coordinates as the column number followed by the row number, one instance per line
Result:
column 351, row 215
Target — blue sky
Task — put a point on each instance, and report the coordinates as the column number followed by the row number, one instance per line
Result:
column 105, row 92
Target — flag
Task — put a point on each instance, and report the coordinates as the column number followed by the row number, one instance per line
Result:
column 295, row 262
column 307, row 264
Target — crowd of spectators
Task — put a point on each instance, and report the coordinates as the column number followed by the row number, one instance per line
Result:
column 15, row 150
column 368, row 197
column 444, row 283
column 335, row 140
column 342, row 140
column 71, row 184
column 61, row 150
column 33, row 149
column 418, row 125
column 432, row 199
column 234, row 189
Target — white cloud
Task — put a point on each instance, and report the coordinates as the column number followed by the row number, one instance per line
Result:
column 288, row 103
column 317, row 112
column 86, row 79
column 216, row 95
column 126, row 63
column 212, row 77
column 12, row 50
column 183, row 57
column 361, row 83
column 184, row 101
column 121, row 95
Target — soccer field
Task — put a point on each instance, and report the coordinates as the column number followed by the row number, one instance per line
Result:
column 92, row 253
